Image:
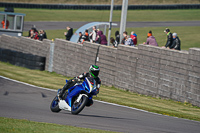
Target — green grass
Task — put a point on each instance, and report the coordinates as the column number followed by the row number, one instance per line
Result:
column 189, row 36
column 55, row 81
column 8, row 125
column 103, row 15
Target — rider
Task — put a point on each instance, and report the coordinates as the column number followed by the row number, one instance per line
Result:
column 93, row 72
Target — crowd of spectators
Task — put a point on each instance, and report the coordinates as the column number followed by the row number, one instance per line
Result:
column 96, row 36
column 173, row 41
column 34, row 34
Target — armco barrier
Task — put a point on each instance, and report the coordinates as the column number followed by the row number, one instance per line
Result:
column 100, row 7
column 144, row 69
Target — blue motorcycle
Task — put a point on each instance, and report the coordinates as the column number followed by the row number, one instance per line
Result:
column 76, row 97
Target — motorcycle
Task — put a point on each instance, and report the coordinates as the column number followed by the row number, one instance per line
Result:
column 76, row 97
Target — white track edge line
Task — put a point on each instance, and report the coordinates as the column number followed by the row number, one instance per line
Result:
column 27, row 84
column 97, row 100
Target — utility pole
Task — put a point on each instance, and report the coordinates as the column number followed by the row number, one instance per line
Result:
column 110, row 25
column 123, row 18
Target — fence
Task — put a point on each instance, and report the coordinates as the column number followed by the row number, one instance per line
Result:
column 100, row 7
column 144, row 69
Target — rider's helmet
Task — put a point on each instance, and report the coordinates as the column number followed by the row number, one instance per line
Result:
column 94, row 70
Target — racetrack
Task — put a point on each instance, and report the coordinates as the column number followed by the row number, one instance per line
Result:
column 27, row 102
column 62, row 25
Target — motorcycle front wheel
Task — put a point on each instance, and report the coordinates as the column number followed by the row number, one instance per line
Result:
column 54, row 105
column 77, row 107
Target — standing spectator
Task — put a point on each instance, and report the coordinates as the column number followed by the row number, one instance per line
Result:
column 134, row 37
column 176, row 42
column 86, row 36
column 129, row 41
column 45, row 34
column 169, row 38
column 117, row 37
column 101, row 38
column 114, row 42
column 93, row 34
column 125, row 37
column 68, row 34
column 5, row 23
column 151, row 40
column 42, row 35
column 80, row 39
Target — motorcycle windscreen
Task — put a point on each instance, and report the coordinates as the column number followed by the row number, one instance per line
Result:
column 90, row 84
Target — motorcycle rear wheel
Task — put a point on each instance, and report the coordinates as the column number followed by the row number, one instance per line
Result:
column 54, row 105
column 77, row 107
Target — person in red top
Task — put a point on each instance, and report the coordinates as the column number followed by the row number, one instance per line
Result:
column 134, row 37
column 34, row 35
column 3, row 24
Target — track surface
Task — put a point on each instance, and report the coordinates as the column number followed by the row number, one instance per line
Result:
column 63, row 25
column 25, row 102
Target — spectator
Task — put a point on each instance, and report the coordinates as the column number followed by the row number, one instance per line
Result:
column 129, row 41
column 80, row 39
column 86, row 36
column 68, row 34
column 176, row 44
column 125, row 37
column 169, row 38
column 42, row 35
column 34, row 30
column 117, row 37
column 101, row 38
column 5, row 23
column 114, row 42
column 93, row 34
column 34, row 35
column 151, row 40
column 45, row 34
column 98, row 30
column 134, row 37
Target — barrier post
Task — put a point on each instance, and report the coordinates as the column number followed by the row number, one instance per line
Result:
column 51, row 52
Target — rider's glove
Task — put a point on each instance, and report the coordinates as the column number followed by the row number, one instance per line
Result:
column 76, row 79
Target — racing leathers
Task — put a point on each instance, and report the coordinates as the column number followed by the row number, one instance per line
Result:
column 72, row 82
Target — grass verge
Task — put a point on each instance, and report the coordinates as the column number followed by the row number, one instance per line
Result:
column 109, row 94
column 103, row 15
column 8, row 125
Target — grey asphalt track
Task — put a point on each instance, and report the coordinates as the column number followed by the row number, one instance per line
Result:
column 25, row 102
column 63, row 25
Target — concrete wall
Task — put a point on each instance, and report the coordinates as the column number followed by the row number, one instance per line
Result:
column 144, row 69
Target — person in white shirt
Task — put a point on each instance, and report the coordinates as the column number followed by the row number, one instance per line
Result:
column 93, row 34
